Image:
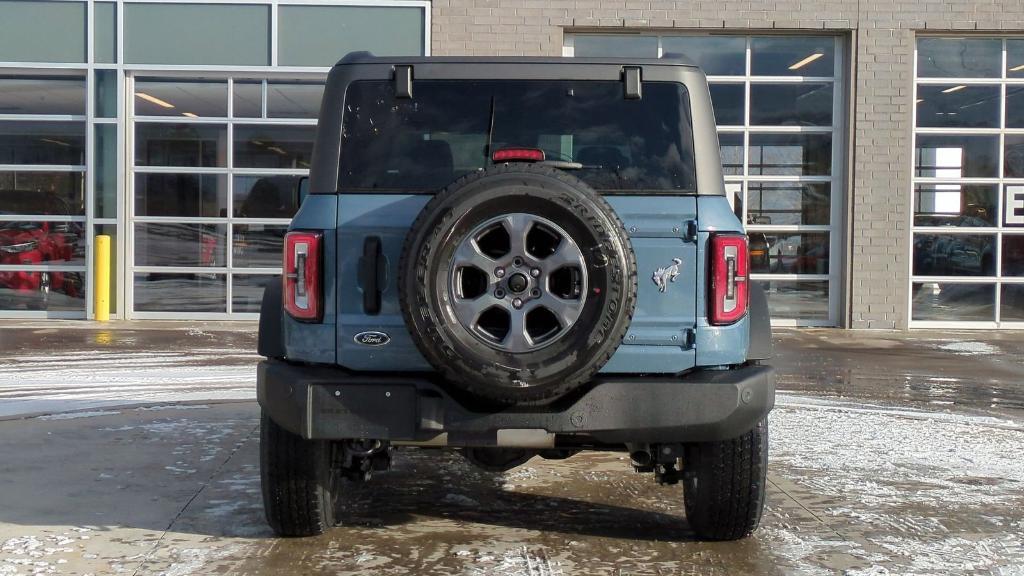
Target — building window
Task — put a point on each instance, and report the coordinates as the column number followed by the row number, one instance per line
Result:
column 968, row 183
column 777, row 102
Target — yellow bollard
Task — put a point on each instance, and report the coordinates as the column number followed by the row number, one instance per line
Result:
column 101, row 308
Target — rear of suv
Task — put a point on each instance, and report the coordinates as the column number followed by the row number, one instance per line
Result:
column 515, row 258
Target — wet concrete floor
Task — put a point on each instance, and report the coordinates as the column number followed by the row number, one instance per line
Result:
column 891, row 454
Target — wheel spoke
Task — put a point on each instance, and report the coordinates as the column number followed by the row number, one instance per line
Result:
column 468, row 254
column 468, row 311
column 517, row 340
column 566, row 311
column 517, row 225
column 566, row 254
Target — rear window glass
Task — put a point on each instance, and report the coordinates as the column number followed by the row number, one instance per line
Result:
column 450, row 128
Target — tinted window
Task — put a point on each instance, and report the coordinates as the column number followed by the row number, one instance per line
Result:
column 446, row 130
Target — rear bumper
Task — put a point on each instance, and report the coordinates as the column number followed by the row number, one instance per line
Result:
column 331, row 403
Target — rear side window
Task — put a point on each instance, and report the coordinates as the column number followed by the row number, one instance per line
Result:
column 450, row 128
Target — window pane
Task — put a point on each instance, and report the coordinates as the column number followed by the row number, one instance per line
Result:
column 163, row 292
column 153, row 34
column 792, row 56
column 59, row 143
column 788, row 252
column 716, row 55
column 959, row 57
column 198, row 145
column 50, row 291
column 955, row 204
column 788, row 203
column 1014, row 106
column 248, row 99
column 954, row 254
column 31, row 242
column 34, row 31
column 42, row 193
column 257, row 245
column 1012, row 308
column 173, row 98
column 189, row 195
column 616, row 45
column 957, row 106
column 797, row 299
column 1014, row 156
column 1013, row 213
column 958, row 156
column 731, row 146
column 180, row 245
column 946, row 302
column 266, row 196
column 1014, row 58
column 1013, row 255
column 294, row 100
column 105, row 171
column 247, row 291
column 106, row 93
column 105, row 33
column 42, row 95
column 320, row 35
column 790, row 154
column 804, row 104
column 273, row 146
column 728, row 101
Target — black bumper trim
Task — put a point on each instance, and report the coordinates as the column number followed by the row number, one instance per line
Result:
column 330, row 403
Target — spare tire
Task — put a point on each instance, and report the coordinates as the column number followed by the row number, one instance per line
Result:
column 517, row 283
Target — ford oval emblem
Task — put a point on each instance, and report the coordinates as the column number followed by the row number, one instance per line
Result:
column 372, row 338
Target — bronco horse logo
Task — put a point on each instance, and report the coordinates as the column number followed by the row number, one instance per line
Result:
column 662, row 276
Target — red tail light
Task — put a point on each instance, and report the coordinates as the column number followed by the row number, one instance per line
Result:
column 518, row 155
column 303, row 293
column 730, row 278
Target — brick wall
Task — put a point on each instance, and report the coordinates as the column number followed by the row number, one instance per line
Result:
column 884, row 32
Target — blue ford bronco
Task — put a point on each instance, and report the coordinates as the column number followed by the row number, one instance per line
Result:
column 515, row 258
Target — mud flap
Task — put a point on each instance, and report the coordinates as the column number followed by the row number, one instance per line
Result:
column 760, row 324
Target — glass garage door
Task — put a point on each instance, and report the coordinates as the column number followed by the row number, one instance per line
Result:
column 778, row 102
column 214, row 173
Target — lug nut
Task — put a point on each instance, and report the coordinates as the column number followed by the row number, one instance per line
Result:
column 517, row 303
column 499, row 272
column 535, row 272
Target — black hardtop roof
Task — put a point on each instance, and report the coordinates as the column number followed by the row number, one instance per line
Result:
column 671, row 59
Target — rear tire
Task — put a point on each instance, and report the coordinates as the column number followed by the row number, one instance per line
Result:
column 724, row 485
column 298, row 484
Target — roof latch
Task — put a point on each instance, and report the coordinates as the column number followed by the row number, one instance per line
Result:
column 403, row 81
column 631, row 81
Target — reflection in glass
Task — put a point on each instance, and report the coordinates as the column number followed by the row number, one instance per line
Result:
column 50, row 291
column 247, row 291
column 792, row 56
column 1013, row 159
column 180, row 245
column 959, row 57
column 949, row 302
column 33, row 243
column 955, row 204
column 1014, row 58
column 960, row 156
column 716, row 55
column 266, row 196
column 797, row 299
column 174, row 292
column 788, row 252
column 954, row 254
column 791, row 154
column 803, row 104
column 59, row 143
column 294, row 100
column 273, row 146
column 197, row 145
column 1012, row 307
column 106, row 93
column 728, row 101
column 731, row 146
column 1014, row 106
column 42, row 193
column 616, row 45
column 957, row 106
column 1013, row 255
column 181, row 98
column 788, row 203
column 42, row 95
column 248, row 99
column 190, row 195
column 257, row 245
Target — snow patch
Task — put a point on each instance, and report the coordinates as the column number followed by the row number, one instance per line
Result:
column 77, row 415
column 970, row 348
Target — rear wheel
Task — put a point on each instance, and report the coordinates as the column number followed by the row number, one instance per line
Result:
column 724, row 485
column 299, row 485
